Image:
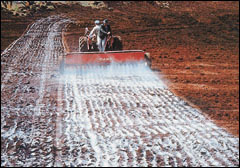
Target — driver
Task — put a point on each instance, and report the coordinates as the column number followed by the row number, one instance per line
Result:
column 96, row 32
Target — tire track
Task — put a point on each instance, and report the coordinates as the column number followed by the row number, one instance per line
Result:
column 28, row 100
column 134, row 120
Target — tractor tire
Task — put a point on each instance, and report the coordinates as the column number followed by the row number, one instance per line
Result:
column 83, row 44
column 117, row 43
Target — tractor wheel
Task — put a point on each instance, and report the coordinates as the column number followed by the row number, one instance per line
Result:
column 83, row 44
column 117, row 43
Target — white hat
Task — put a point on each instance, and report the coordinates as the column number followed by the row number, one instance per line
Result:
column 97, row 22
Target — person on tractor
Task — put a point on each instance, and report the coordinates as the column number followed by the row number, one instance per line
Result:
column 105, row 32
column 96, row 33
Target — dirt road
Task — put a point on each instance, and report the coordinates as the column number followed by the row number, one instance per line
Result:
column 120, row 115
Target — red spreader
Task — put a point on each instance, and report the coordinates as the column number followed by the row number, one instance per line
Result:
column 80, row 58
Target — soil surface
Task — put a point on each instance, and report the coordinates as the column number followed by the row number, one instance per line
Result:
column 98, row 117
column 194, row 44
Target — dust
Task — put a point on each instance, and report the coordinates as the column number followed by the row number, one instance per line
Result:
column 120, row 72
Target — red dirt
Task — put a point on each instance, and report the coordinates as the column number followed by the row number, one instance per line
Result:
column 194, row 44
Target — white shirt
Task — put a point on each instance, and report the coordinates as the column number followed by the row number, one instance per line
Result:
column 95, row 30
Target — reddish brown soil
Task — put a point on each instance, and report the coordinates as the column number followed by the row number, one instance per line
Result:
column 194, row 44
